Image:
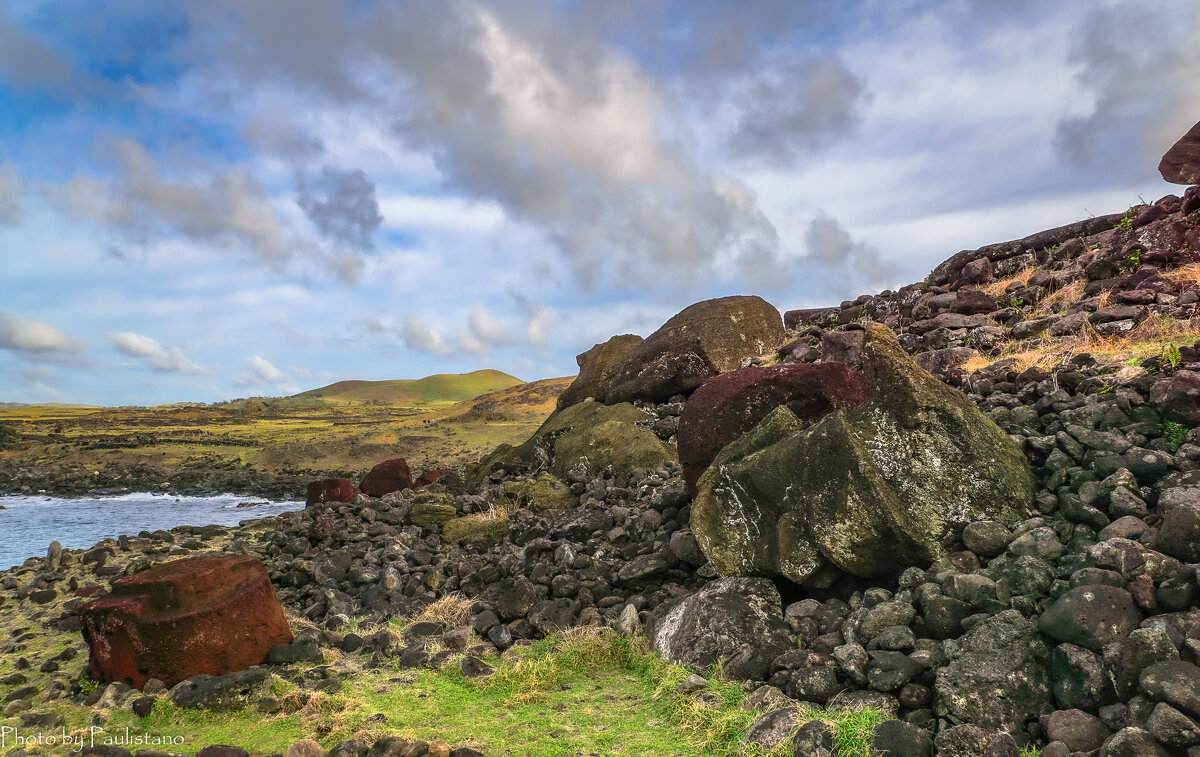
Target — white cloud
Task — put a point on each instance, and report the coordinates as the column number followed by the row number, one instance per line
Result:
column 262, row 373
column 420, row 336
column 152, row 353
column 33, row 338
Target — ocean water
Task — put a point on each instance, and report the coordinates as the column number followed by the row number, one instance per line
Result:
column 29, row 524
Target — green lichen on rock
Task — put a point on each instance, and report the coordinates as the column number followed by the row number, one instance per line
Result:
column 892, row 482
column 613, row 447
column 545, row 492
column 589, row 436
column 431, row 510
column 471, row 527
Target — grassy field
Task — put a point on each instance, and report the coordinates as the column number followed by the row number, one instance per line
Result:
column 442, row 388
column 76, row 448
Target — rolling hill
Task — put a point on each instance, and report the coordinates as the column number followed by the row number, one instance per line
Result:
column 442, row 387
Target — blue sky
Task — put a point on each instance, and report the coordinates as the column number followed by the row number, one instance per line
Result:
column 218, row 199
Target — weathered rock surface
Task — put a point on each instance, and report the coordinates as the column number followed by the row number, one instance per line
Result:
column 910, row 468
column 737, row 622
column 211, row 614
column 702, row 340
column 596, row 369
column 728, row 405
column 330, row 490
column 1000, row 676
column 588, row 438
column 1181, row 163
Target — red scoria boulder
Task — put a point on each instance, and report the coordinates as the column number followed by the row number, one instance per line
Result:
column 433, row 476
column 729, row 405
column 1181, row 164
column 212, row 614
column 330, row 490
column 389, row 476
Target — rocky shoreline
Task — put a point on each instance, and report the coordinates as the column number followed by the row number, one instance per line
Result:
column 1062, row 614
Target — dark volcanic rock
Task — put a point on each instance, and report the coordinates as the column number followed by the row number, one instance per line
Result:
column 210, row 614
column 1091, row 616
column 387, row 477
column 999, row 677
column 734, row 621
column 728, row 405
column 702, row 340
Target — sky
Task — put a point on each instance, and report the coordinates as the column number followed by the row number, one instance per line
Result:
column 213, row 199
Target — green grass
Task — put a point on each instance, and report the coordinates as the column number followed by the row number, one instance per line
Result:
column 442, row 387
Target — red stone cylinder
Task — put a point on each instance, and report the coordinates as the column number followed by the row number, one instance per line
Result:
column 212, row 614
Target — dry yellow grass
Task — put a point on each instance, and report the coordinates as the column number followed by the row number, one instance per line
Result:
column 1150, row 338
column 1184, row 277
column 1000, row 286
column 1062, row 298
column 1104, row 299
column 454, row 610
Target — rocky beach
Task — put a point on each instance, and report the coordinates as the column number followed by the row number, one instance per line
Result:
column 969, row 507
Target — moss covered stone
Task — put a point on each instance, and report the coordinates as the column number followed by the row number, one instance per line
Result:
column 431, row 510
column 471, row 527
column 865, row 490
column 545, row 492
column 590, row 429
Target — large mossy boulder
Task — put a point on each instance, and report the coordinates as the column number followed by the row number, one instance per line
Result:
column 588, row 438
column 729, row 405
column 596, row 369
column 702, row 340
column 866, row 490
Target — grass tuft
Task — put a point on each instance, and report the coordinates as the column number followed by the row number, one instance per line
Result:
column 1001, row 286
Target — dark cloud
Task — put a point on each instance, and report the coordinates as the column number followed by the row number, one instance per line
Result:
column 1141, row 62
column 143, row 204
column 341, row 204
column 797, row 108
column 831, row 248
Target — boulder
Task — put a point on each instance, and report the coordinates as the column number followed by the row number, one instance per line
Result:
column 387, row 477
column 329, row 490
column 999, row 677
column 702, row 340
column 211, row 614
column 736, row 622
column 232, row 691
column 1091, row 616
column 1181, row 163
column 434, row 476
column 910, row 469
column 596, row 369
column 728, row 405
column 1177, row 397
column 588, row 437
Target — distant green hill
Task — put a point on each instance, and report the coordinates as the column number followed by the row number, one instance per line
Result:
column 443, row 387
